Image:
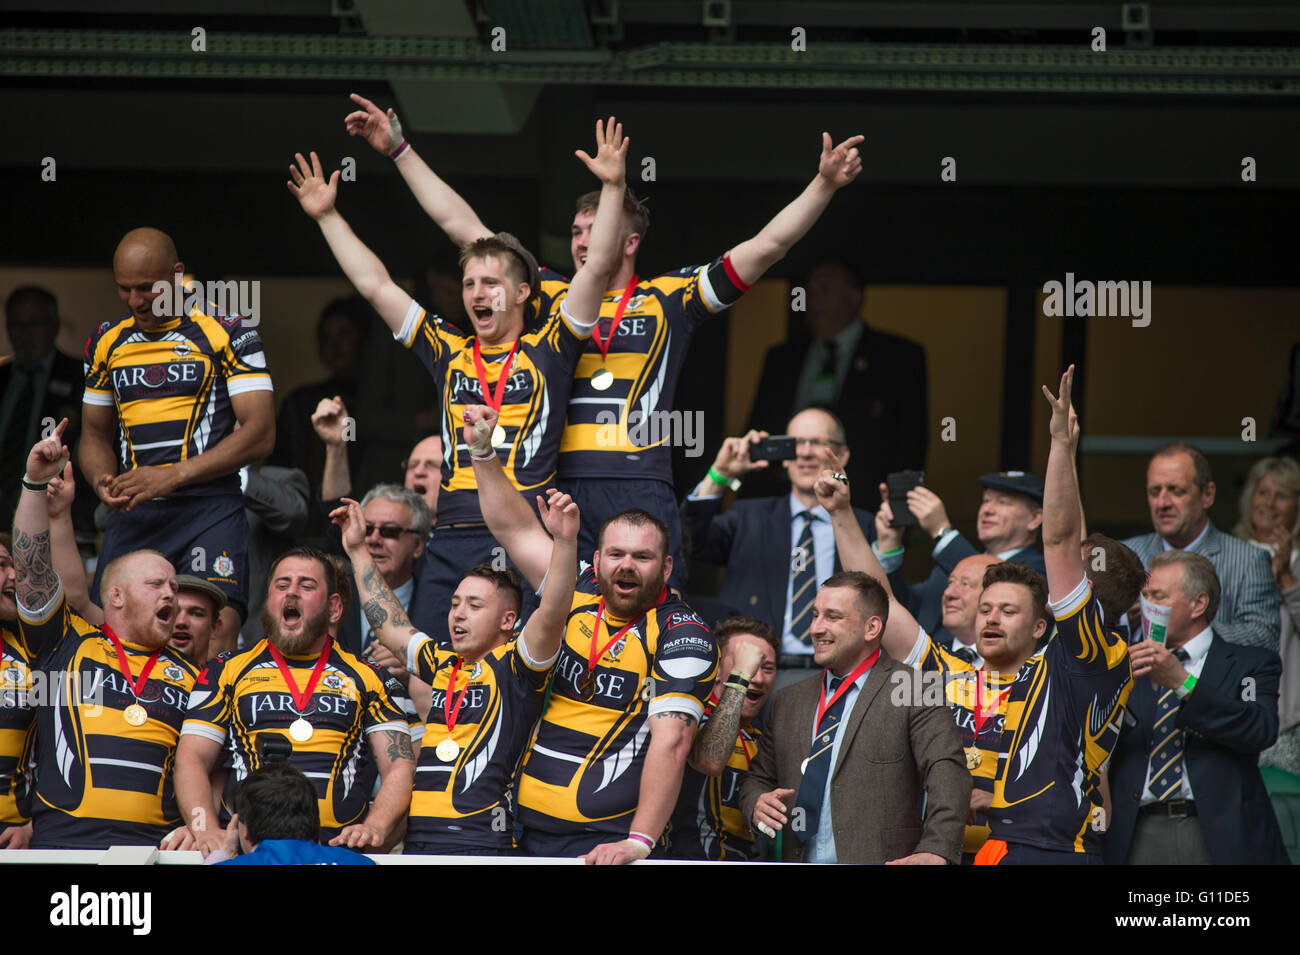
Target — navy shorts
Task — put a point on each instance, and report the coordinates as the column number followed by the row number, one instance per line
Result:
column 205, row 536
column 599, row 499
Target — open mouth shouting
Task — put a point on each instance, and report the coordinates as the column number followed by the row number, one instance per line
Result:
column 290, row 615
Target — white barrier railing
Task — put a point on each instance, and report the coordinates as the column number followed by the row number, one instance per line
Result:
column 148, row 855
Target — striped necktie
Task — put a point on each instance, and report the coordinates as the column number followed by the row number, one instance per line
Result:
column 812, row 788
column 1166, row 763
column 803, row 582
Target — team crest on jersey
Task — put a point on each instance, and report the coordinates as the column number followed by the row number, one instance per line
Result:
column 635, row 302
column 173, row 673
column 223, row 566
column 12, row 675
column 477, row 671
column 614, row 651
column 332, row 680
column 181, row 349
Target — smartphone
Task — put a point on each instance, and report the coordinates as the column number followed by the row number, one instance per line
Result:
column 780, row 447
column 898, row 484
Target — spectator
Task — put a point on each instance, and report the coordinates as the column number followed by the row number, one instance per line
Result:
column 175, row 487
column 873, row 381
column 707, row 823
column 41, row 384
column 340, row 334
column 1010, row 515
column 300, row 681
column 857, row 794
column 766, row 576
column 276, row 822
column 1270, row 518
column 1180, row 490
column 19, row 720
column 106, row 787
column 1185, row 779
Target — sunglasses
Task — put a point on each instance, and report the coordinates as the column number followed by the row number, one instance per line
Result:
column 389, row 532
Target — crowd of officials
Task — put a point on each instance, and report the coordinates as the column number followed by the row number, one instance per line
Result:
column 490, row 649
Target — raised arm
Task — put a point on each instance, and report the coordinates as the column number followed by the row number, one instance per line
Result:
column 716, row 740
column 63, row 546
column 545, row 628
column 509, row 518
column 839, row 166
column 328, row 420
column 609, row 166
column 37, row 583
column 362, row 267
column 389, row 623
column 1062, row 511
column 440, row 202
column 732, row 463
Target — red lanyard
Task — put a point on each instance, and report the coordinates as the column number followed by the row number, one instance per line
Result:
column 592, row 655
column 823, row 705
column 980, row 717
column 301, row 701
column 490, row 398
column 449, row 710
column 125, row 665
column 618, row 316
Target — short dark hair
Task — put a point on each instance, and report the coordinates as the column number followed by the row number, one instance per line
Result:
column 329, row 570
column 636, row 517
column 34, row 293
column 1006, row 572
column 635, row 212
column 278, row 802
column 517, row 261
column 1200, row 463
column 1118, row 581
column 726, row 629
column 872, row 597
column 507, row 580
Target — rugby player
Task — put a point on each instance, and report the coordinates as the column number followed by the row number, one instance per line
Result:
column 17, row 716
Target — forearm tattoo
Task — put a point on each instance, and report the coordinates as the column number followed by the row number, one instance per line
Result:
column 399, row 745
column 37, row 582
column 381, row 607
column 716, row 741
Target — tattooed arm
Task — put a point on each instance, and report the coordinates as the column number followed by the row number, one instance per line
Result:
column 37, row 582
column 389, row 623
column 717, row 737
column 379, row 831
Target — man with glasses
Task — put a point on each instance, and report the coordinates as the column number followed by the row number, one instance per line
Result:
column 777, row 550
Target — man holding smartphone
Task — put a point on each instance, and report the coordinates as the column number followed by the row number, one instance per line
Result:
column 777, row 550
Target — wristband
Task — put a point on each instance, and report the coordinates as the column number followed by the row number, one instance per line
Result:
column 642, row 839
column 742, row 687
column 486, row 457
column 891, row 553
column 716, row 478
column 35, row 485
column 399, row 150
column 1185, row 690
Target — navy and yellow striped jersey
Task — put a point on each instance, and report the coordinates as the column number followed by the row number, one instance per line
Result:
column 99, row 780
column 1060, row 737
column 18, row 703
column 707, row 822
column 172, row 387
column 532, row 408
column 240, row 696
column 997, row 698
column 583, row 771
column 467, row 803
column 628, row 425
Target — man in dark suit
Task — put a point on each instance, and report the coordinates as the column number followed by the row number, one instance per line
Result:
column 874, row 382
column 776, row 550
column 856, row 796
column 1185, row 783
column 1180, row 490
column 40, row 384
column 1010, row 515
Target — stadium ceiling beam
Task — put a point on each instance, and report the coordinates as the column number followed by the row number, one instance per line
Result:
column 1040, row 69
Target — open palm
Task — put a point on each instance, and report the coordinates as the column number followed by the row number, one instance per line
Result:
column 610, row 162
column 309, row 187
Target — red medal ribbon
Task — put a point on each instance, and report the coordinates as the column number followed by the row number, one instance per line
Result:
column 823, row 704
column 493, row 400
column 592, row 655
column 618, row 316
column 301, row 702
column 980, row 717
column 125, row 665
column 450, row 711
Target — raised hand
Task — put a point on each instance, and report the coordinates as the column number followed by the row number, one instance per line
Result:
column 329, row 419
column 746, row 657
column 314, row 194
column 610, row 162
column 831, row 487
column 381, row 130
column 48, row 455
column 559, row 514
column 1061, row 408
column 479, row 422
column 733, row 457
column 927, row 507
column 352, row 524
column 60, row 494
column 888, row 537
column 840, row 164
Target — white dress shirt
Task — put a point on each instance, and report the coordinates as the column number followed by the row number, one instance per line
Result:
column 1196, row 649
column 824, row 564
column 822, row 846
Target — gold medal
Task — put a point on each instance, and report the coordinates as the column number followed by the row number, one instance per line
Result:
column 300, row 730
column 498, row 437
column 448, row 750
column 602, row 379
column 973, row 757
column 135, row 715
column 587, row 687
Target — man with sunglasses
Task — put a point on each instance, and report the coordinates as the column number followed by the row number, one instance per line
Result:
column 776, row 550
